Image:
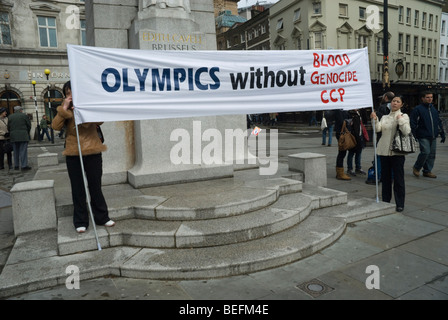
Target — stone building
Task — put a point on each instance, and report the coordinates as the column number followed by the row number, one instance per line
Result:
column 34, row 35
column 413, row 31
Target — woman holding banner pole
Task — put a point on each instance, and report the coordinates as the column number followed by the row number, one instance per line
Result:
column 91, row 147
column 392, row 163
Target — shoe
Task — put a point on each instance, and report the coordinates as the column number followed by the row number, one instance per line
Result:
column 109, row 223
column 26, row 168
column 329, row 145
column 2, row 168
column 429, row 175
column 416, row 172
column 360, row 171
column 400, row 209
column 340, row 175
column 16, row 168
column 81, row 229
column 351, row 172
column 323, row 144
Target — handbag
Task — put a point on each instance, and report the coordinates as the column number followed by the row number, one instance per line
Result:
column 7, row 146
column 404, row 143
column 365, row 134
column 100, row 133
column 346, row 140
column 323, row 124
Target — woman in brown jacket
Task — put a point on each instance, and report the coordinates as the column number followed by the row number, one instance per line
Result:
column 91, row 148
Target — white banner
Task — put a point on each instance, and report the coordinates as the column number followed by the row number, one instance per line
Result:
column 123, row 84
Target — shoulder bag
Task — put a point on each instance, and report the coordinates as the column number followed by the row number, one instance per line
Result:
column 404, row 143
column 346, row 140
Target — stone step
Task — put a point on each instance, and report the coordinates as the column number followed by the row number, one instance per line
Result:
column 289, row 210
column 316, row 232
column 189, row 201
column 190, row 234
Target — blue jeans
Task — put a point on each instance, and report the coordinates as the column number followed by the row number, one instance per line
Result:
column 20, row 150
column 357, row 153
column 45, row 131
column 427, row 155
column 330, row 134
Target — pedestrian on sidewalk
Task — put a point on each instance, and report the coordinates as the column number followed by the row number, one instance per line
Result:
column 19, row 126
column 360, row 144
column 426, row 126
column 91, row 149
column 340, row 117
column 5, row 145
column 44, row 122
column 392, row 163
column 329, row 116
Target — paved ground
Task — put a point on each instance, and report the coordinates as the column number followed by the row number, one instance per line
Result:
column 407, row 250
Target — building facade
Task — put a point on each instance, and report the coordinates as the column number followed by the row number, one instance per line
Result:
column 413, row 31
column 34, row 36
column 443, row 64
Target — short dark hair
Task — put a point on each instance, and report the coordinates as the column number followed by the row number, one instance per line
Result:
column 66, row 86
column 424, row 93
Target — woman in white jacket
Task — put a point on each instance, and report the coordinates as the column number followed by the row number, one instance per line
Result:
column 392, row 163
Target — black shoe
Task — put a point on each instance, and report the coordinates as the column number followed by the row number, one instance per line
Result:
column 26, row 168
column 16, row 168
column 400, row 209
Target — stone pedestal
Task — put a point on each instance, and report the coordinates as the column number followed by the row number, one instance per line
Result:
column 312, row 165
column 33, row 206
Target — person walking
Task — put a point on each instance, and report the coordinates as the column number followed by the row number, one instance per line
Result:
column 4, row 140
column 426, row 126
column 392, row 163
column 340, row 117
column 91, row 149
column 360, row 144
column 19, row 126
column 44, row 126
column 329, row 116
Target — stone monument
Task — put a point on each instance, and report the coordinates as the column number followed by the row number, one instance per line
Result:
column 139, row 151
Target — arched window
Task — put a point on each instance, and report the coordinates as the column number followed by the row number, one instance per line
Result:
column 9, row 99
column 56, row 98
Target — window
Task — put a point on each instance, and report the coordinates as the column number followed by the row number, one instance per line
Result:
column 47, row 32
column 362, row 42
column 400, row 14
column 415, row 71
column 242, row 38
column 408, row 44
column 318, row 40
column 416, row 18
column 280, row 24
column 443, row 27
column 379, row 45
column 428, row 73
column 297, row 15
column 415, row 45
column 435, row 49
column 442, row 47
column 362, row 13
column 5, row 29
column 446, row 74
column 430, row 22
column 83, row 32
column 263, row 29
column 400, row 42
column 422, row 72
column 424, row 20
column 317, row 8
column 423, row 46
column 299, row 44
column 429, row 47
column 343, row 10
column 407, row 70
column 408, row 15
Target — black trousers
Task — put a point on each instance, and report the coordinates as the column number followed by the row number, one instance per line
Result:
column 93, row 166
column 392, row 172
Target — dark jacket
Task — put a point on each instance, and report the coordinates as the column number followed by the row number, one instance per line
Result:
column 19, row 126
column 339, row 117
column 425, row 122
column 330, row 117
